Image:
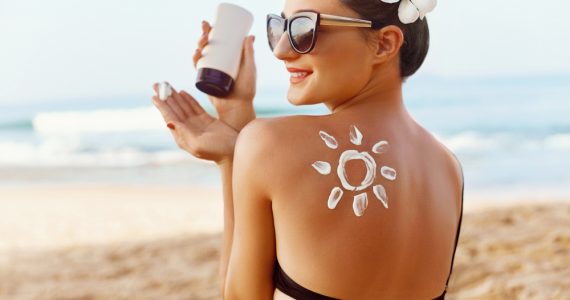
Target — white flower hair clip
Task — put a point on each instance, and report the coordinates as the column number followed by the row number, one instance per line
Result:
column 409, row 11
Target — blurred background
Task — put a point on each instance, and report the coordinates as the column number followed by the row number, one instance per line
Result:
column 76, row 85
column 85, row 159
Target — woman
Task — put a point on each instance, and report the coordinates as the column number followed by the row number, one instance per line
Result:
column 363, row 203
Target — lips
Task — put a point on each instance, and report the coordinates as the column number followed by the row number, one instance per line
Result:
column 298, row 75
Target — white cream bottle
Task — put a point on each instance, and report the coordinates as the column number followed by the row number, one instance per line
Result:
column 219, row 65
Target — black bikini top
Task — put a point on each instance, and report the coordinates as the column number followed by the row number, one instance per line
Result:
column 291, row 288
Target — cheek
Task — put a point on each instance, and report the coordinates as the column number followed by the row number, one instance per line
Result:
column 341, row 69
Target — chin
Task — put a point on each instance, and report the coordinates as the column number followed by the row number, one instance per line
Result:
column 294, row 97
column 297, row 101
column 299, row 97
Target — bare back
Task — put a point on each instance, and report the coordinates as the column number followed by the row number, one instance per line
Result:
column 401, row 248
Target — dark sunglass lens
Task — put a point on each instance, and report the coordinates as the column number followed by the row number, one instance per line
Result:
column 302, row 31
column 274, row 32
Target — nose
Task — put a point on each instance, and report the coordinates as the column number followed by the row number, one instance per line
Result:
column 283, row 49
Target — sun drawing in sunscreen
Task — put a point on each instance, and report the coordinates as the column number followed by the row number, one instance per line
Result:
column 360, row 202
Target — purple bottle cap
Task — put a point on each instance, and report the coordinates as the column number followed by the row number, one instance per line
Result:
column 214, row 82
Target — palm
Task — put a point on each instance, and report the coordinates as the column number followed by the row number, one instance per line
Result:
column 206, row 137
column 195, row 130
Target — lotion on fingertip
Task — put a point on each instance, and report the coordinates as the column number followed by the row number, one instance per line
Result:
column 164, row 91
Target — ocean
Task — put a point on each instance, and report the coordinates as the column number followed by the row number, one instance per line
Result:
column 512, row 135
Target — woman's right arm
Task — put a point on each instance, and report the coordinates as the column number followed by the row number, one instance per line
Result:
column 210, row 138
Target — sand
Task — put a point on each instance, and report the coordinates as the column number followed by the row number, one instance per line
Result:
column 521, row 251
column 163, row 243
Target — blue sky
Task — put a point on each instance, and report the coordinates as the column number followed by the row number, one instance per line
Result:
column 65, row 49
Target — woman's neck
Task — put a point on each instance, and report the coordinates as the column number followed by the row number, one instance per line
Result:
column 381, row 97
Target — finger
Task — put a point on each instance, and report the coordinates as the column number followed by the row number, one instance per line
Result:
column 183, row 128
column 178, row 133
column 163, row 90
column 196, row 107
column 155, row 89
column 249, row 50
column 203, row 41
column 172, row 101
column 173, row 109
column 196, row 57
column 167, row 114
column 183, row 134
column 247, row 62
column 206, row 26
column 184, row 105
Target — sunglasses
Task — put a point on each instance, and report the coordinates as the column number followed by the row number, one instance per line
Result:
column 302, row 28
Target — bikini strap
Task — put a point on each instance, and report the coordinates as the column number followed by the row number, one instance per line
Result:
column 292, row 289
column 458, row 226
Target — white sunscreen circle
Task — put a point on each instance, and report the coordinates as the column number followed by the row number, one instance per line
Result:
column 369, row 162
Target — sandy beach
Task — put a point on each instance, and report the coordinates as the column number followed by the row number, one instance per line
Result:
column 111, row 242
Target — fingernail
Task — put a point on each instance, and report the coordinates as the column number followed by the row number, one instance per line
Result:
column 164, row 91
column 171, row 126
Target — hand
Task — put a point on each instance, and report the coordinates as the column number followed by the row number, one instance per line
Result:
column 236, row 109
column 194, row 130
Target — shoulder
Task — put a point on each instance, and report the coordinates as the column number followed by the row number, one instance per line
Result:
column 262, row 133
column 455, row 170
column 264, row 145
column 454, row 162
column 280, row 122
column 448, row 158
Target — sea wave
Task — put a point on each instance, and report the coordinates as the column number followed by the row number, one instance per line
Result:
column 25, row 124
column 69, row 154
column 558, row 142
column 133, row 149
column 115, row 120
column 149, row 118
column 473, row 141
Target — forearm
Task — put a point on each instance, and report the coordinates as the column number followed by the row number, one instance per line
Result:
column 226, row 168
column 238, row 122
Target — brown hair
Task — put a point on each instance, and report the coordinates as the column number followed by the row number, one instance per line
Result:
column 416, row 35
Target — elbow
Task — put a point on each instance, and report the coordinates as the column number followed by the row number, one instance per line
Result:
column 226, row 292
column 229, row 294
column 237, row 294
column 234, row 290
column 222, row 289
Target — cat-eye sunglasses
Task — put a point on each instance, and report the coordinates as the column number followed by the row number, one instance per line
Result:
column 302, row 28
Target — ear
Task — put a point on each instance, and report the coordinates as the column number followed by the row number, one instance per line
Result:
column 388, row 42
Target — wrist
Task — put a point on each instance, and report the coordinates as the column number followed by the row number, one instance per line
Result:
column 225, row 162
column 238, row 117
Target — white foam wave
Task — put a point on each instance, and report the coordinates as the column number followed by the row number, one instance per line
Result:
column 58, row 154
column 475, row 142
column 469, row 141
column 110, row 120
column 558, row 142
